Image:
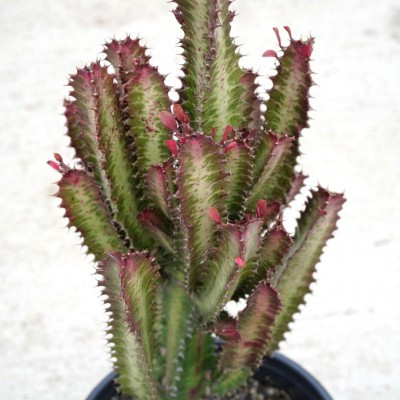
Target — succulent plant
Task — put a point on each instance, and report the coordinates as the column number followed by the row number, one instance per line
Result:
column 181, row 204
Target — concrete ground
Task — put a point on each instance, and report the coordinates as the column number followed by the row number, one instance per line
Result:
column 51, row 338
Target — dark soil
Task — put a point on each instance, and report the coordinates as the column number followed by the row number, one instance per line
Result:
column 267, row 390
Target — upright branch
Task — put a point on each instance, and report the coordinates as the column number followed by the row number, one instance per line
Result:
column 182, row 206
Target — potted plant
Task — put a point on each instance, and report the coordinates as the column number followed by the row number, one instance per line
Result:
column 181, row 204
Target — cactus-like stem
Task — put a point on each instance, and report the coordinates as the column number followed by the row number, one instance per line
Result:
column 157, row 188
column 293, row 279
column 123, row 55
column 96, row 97
column 288, row 104
column 222, row 273
column 146, row 96
column 86, row 211
column 213, row 93
column 131, row 277
column 275, row 178
column 224, row 102
column 252, row 101
column 198, row 364
column 158, row 228
column 203, row 185
column 238, row 166
column 254, row 325
column 200, row 183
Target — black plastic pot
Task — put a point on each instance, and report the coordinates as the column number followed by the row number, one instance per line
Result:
column 284, row 372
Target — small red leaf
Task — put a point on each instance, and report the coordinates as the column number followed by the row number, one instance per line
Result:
column 54, row 165
column 278, row 36
column 306, row 50
column 173, row 147
column 58, row 157
column 168, row 120
column 213, row 213
column 287, row 29
column 231, row 146
column 270, row 53
column 322, row 212
column 180, row 115
column 227, row 330
column 227, row 132
column 240, row 261
column 261, row 208
column 213, row 132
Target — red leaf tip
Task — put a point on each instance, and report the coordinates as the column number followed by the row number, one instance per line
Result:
column 172, row 146
column 278, row 36
column 287, row 29
column 270, row 53
column 231, row 146
column 180, row 115
column 58, row 157
column 227, row 132
column 240, row 261
column 168, row 120
column 54, row 165
column 261, row 209
column 214, row 214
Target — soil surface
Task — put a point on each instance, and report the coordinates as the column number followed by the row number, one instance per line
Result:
column 267, row 390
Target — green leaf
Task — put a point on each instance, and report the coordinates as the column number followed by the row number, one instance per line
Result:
column 200, row 183
column 288, row 102
column 315, row 227
column 87, row 212
column 134, row 376
column 254, row 325
column 276, row 177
